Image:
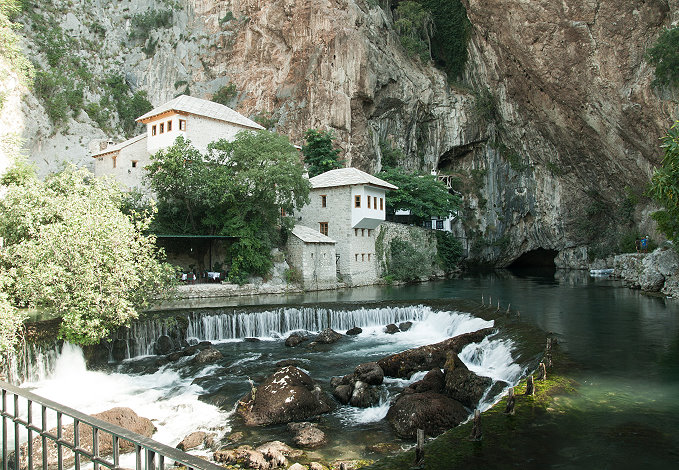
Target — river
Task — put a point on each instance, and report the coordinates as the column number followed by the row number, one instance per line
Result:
column 625, row 346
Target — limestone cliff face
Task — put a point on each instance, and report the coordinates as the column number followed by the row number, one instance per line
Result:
column 575, row 105
column 574, row 111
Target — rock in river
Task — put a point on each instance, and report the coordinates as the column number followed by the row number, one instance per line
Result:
column 433, row 412
column 287, row 395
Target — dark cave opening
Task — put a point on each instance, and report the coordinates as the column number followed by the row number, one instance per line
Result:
column 540, row 258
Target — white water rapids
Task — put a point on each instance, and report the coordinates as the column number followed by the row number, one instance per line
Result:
column 170, row 400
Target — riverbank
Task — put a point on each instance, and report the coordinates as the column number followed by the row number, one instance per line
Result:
column 655, row 272
column 519, row 440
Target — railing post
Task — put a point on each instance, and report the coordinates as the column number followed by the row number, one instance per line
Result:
column 116, row 450
column 76, row 443
column 29, row 420
column 150, row 460
column 95, row 447
column 4, row 429
column 137, row 450
column 17, row 464
column 43, row 429
column 60, row 448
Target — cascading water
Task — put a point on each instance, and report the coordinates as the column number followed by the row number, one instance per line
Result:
column 183, row 396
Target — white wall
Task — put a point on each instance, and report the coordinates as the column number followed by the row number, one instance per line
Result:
column 160, row 141
column 365, row 217
column 125, row 174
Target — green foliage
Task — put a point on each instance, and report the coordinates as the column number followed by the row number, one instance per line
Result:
column 391, row 157
column 319, row 153
column 422, row 195
column 664, row 55
column 225, row 94
column 70, row 250
column 664, row 188
column 228, row 16
column 142, row 24
column 237, row 189
column 407, row 263
column 265, row 120
column 11, row 319
column 449, row 250
column 293, row 276
column 128, row 105
column 415, row 27
column 485, row 106
column 554, row 168
column 10, row 42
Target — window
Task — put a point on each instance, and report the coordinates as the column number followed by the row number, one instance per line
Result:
column 356, row 232
column 381, row 204
column 283, row 214
column 162, row 127
column 356, row 256
column 169, row 126
column 368, row 202
column 324, row 228
column 153, row 130
column 439, row 224
column 369, row 232
column 134, row 163
column 324, row 200
column 368, row 256
column 357, row 201
column 363, row 232
column 114, row 161
column 182, row 124
column 362, row 256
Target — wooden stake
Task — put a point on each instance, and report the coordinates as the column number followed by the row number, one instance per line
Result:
column 476, row 434
column 542, row 372
column 419, row 449
column 511, row 402
column 530, row 386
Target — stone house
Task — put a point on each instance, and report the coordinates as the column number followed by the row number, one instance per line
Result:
column 200, row 121
column 348, row 205
column 314, row 255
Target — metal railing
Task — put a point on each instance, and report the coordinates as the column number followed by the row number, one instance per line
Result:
column 148, row 454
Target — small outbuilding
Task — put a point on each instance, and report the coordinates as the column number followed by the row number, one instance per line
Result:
column 314, row 256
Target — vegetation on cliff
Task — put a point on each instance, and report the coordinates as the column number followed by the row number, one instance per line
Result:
column 70, row 249
column 664, row 55
column 665, row 186
column 320, row 154
column 238, row 188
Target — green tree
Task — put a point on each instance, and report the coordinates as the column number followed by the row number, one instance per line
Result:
column 256, row 176
column 422, row 195
column 415, row 26
column 664, row 55
column 178, row 175
column 237, row 189
column 71, row 250
column 320, row 155
column 665, row 186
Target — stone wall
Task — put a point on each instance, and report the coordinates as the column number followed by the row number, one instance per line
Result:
column 315, row 261
column 422, row 239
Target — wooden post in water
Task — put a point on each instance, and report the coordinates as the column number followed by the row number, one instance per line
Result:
column 548, row 353
column 542, row 372
column 419, row 449
column 476, row 434
column 530, row 386
column 511, row 402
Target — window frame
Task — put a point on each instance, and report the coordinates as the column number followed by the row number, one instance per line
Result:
column 161, row 128
column 323, row 228
column 324, row 200
column 368, row 202
column 381, row 204
column 169, row 125
column 182, row 125
column 154, row 130
column 134, row 163
column 357, row 201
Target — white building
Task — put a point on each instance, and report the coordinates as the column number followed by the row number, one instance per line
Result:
column 347, row 205
column 200, row 121
column 314, row 255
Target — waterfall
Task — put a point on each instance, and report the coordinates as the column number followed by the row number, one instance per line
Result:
column 281, row 322
column 32, row 362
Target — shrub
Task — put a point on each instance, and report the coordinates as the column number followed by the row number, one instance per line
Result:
column 293, row 276
column 406, row 263
column 449, row 250
column 664, row 55
column 143, row 23
column 226, row 94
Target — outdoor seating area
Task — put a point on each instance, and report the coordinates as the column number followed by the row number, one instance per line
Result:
column 198, row 278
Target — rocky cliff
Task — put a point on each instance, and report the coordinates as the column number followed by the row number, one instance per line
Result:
column 555, row 111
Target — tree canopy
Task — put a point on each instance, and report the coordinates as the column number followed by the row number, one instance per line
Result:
column 320, row 155
column 664, row 55
column 70, row 250
column 237, row 188
column 421, row 194
column 665, row 186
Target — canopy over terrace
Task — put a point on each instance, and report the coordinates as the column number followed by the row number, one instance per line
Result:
column 200, row 248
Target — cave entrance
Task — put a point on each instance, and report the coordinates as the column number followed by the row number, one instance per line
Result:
column 535, row 259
